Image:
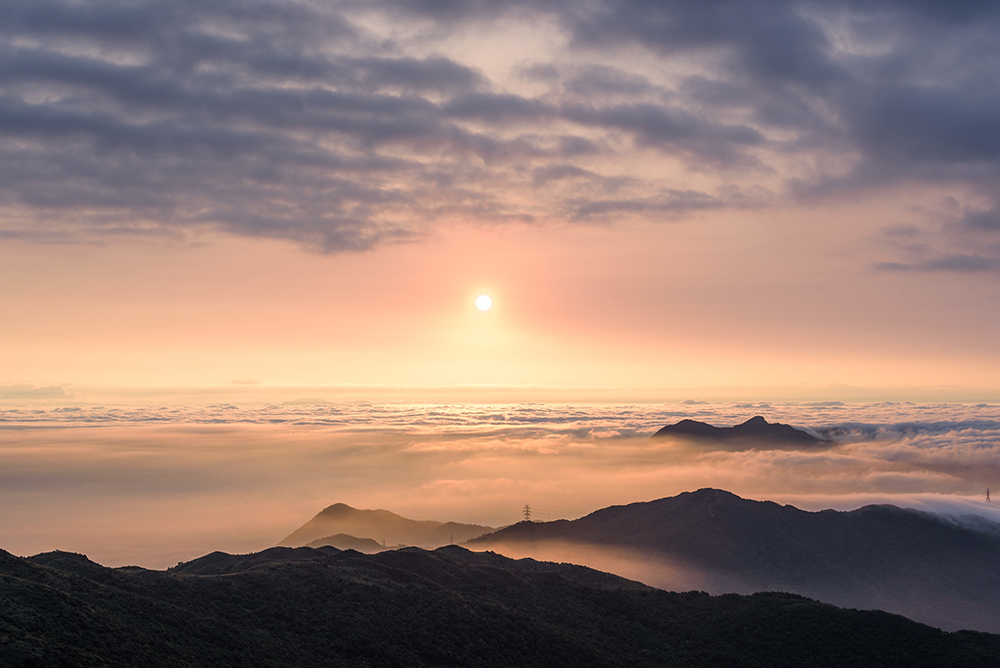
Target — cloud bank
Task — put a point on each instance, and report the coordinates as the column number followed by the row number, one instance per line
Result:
column 157, row 484
column 341, row 126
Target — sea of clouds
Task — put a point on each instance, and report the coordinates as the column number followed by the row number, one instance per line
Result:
column 152, row 484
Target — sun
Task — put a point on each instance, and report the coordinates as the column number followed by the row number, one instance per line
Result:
column 483, row 302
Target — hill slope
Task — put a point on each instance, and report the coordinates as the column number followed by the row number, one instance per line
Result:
column 883, row 557
column 381, row 525
column 412, row 608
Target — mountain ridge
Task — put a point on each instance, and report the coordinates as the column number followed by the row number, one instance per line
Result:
column 415, row 608
column 884, row 557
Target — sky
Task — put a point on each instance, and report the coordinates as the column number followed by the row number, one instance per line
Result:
column 656, row 195
column 212, row 213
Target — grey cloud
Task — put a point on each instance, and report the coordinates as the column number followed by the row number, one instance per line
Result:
column 668, row 202
column 183, row 115
column 197, row 129
column 716, row 93
column 601, row 80
column 773, row 42
column 963, row 263
column 538, row 72
column 543, row 175
column 946, row 263
column 571, row 145
column 926, row 91
column 988, row 219
column 496, row 108
column 437, row 74
column 662, row 127
column 166, row 118
column 557, row 173
column 937, row 123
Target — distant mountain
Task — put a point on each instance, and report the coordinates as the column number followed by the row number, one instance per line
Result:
column 343, row 541
column 381, row 526
column 754, row 432
column 410, row 608
column 920, row 565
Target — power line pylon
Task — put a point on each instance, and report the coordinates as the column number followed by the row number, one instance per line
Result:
column 526, row 512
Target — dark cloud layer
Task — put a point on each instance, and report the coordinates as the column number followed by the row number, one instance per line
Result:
column 288, row 120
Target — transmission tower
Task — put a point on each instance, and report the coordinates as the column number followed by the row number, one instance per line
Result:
column 526, row 513
column 987, row 496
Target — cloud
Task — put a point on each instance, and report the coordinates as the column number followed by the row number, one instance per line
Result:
column 293, row 120
column 987, row 219
column 602, row 80
column 21, row 392
column 662, row 127
column 949, row 263
column 242, row 121
column 906, row 87
column 66, row 467
column 929, row 123
column 962, row 244
column 901, row 230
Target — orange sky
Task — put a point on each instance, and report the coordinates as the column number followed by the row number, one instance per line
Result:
column 740, row 300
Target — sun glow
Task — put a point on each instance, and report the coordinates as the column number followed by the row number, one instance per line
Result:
column 483, row 302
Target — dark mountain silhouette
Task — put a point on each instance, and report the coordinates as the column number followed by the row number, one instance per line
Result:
column 381, row 525
column 755, row 432
column 411, row 608
column 222, row 563
column 905, row 561
column 343, row 541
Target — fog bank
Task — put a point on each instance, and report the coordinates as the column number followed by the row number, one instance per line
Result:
column 152, row 485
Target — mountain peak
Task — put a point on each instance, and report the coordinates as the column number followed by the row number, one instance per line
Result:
column 755, row 432
column 337, row 508
column 340, row 522
column 712, row 491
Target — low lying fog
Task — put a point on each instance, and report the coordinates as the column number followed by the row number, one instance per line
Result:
column 155, row 485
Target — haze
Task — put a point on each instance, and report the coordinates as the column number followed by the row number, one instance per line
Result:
column 153, row 486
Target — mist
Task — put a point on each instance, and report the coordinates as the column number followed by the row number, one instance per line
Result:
column 654, row 570
column 154, row 485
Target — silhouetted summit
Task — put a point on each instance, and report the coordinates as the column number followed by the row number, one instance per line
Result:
column 755, row 431
column 381, row 526
column 927, row 567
